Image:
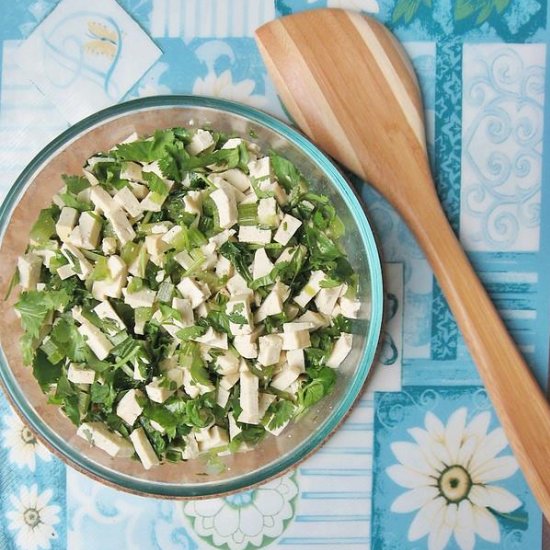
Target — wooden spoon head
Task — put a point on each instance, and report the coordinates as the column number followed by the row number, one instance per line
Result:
column 350, row 87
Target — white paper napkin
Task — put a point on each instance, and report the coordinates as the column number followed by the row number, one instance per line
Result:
column 86, row 55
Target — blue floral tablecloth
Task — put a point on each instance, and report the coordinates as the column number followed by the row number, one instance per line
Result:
column 425, row 415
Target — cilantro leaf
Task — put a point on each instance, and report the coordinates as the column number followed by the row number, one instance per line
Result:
column 44, row 227
column 279, row 413
column 240, row 255
column 45, row 372
column 34, row 307
column 286, row 173
column 75, row 184
column 157, row 185
column 146, row 150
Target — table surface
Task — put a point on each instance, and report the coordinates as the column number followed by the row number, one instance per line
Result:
column 482, row 70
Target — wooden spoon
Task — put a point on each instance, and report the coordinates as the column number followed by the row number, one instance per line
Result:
column 350, row 87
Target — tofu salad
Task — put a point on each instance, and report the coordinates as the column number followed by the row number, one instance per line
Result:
column 186, row 294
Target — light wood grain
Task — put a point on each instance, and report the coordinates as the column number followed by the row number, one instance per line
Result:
column 348, row 84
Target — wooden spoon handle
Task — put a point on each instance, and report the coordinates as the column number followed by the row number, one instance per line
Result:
column 520, row 404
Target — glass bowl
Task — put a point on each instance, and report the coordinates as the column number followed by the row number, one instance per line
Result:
column 33, row 191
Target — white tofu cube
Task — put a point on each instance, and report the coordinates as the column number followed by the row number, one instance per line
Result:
column 95, row 339
column 222, row 397
column 145, row 297
column 139, row 190
column 260, row 169
column 249, row 398
column 108, row 246
column 131, row 171
column 312, row 287
column 288, row 253
column 128, row 407
column 210, row 256
column 175, row 375
column 171, row 234
column 184, row 259
column 224, row 268
column 81, row 266
column 79, row 374
column 200, row 141
column 155, row 245
column 239, row 306
column 288, row 227
column 254, row 235
column 75, row 238
column 285, row 378
column 262, row 265
column 213, row 339
column 29, row 267
column 158, row 391
column 232, row 143
column 65, row 271
column 237, row 285
column 217, row 437
column 264, row 402
column 193, row 291
column 246, row 346
column 326, row 299
column 192, row 202
column 183, row 305
column 270, row 349
column 296, row 340
column 219, row 182
column 298, row 325
column 121, row 226
column 229, row 380
column 47, row 254
column 267, row 212
column 191, row 450
column 226, row 206
column 161, row 228
column 227, row 363
column 156, row 426
column 98, row 435
column 92, row 180
column 341, row 349
column 128, row 201
column 66, row 222
column 273, row 303
column 222, row 237
column 349, row 308
column 237, row 178
column 296, row 359
column 144, row 449
column 90, row 228
column 102, row 200
column 318, row 320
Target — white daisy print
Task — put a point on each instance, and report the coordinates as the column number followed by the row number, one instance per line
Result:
column 33, row 518
column 223, row 86
column 23, row 447
column 450, row 473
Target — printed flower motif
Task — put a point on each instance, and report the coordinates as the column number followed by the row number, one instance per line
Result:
column 22, row 444
column 223, row 86
column 33, row 519
column 249, row 518
column 449, row 472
